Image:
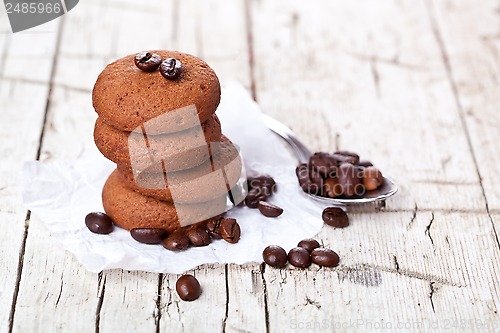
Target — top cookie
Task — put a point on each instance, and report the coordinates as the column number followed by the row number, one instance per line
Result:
column 127, row 97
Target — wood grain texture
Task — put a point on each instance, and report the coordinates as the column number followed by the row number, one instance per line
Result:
column 16, row 146
column 472, row 54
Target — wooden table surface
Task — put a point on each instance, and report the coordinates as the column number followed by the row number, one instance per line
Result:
column 413, row 85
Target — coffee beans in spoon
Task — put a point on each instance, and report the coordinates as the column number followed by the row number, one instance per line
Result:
column 338, row 175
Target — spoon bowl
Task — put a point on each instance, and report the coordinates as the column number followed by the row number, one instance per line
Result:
column 386, row 190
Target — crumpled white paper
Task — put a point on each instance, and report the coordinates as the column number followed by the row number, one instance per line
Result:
column 61, row 194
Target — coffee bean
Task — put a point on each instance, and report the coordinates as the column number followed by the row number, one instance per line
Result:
column 335, row 217
column 269, row 210
column 317, row 180
column 254, row 196
column 99, row 223
column 148, row 235
column 147, row 62
column 275, row 256
column 372, row 178
column 325, row 257
column 332, row 188
column 177, row 241
column 198, row 237
column 213, row 228
column 171, row 68
column 188, row 288
column 265, row 183
column 344, row 156
column 365, row 164
column 230, row 230
column 308, row 244
column 299, row 257
column 302, row 172
column 323, row 163
column 348, row 176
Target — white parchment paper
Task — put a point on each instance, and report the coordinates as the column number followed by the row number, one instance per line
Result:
column 62, row 193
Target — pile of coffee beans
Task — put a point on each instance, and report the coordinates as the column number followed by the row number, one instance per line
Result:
column 200, row 234
column 307, row 251
column 188, row 288
column 340, row 174
column 259, row 190
column 170, row 68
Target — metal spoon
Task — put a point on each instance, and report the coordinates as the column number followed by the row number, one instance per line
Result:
column 387, row 189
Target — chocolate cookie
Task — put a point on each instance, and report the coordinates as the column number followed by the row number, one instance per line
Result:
column 178, row 151
column 211, row 179
column 127, row 97
column 129, row 209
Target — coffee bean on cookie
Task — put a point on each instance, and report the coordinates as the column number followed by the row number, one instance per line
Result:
column 230, row 230
column 99, row 223
column 275, row 256
column 188, row 288
column 171, row 68
column 335, row 217
column 299, row 257
column 372, row 178
column 269, row 210
column 325, row 257
column 198, row 237
column 148, row 235
column 177, row 241
column 308, row 244
column 147, row 62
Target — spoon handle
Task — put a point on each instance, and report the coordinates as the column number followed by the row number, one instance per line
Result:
column 289, row 136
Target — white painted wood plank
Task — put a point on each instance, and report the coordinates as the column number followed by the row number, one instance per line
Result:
column 19, row 143
column 349, row 75
column 129, row 302
column 473, row 52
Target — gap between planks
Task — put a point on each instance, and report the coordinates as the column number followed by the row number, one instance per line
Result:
column 453, row 85
column 40, row 142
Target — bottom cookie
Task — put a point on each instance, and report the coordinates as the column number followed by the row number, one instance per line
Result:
column 129, row 209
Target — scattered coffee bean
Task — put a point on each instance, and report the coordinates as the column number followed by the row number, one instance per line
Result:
column 299, row 257
column 213, row 228
column 148, row 235
column 99, row 223
column 323, row 163
column 230, row 230
column 335, row 217
column 198, row 237
column 269, row 210
column 265, row 183
column 365, row 164
column 147, row 62
column 171, row 68
column 275, row 256
column 349, row 180
column 188, row 288
column 344, row 156
column 372, row 178
column 177, row 241
column 253, row 197
column 325, row 257
column 308, row 244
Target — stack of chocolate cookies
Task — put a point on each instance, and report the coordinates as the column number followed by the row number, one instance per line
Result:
column 157, row 122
